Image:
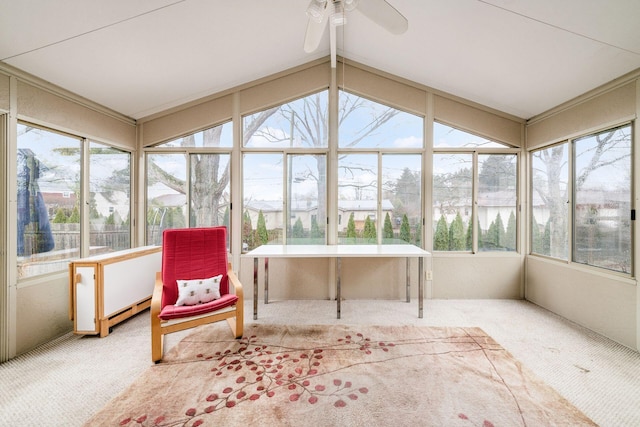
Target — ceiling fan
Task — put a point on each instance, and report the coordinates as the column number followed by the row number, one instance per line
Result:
column 335, row 12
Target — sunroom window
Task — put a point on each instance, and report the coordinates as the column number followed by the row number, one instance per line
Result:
column 50, row 203
column 380, row 154
column 284, row 173
column 189, row 182
column 592, row 198
column 463, row 162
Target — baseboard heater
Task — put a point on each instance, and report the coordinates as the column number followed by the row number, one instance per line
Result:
column 107, row 289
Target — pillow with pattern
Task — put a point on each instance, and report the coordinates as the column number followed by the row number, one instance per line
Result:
column 198, row 291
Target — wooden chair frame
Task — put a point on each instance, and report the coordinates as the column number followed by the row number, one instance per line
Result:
column 159, row 328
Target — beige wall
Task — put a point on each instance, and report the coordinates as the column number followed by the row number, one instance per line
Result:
column 66, row 114
column 4, row 92
column 42, row 311
column 316, row 76
column 478, row 121
column 604, row 303
column 592, row 112
column 477, row 276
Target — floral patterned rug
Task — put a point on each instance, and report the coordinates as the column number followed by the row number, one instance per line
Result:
column 338, row 375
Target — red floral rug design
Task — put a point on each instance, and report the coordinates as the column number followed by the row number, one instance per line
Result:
column 338, row 375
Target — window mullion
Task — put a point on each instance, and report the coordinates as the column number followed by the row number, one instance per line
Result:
column 571, row 197
column 474, row 204
column 286, row 196
column 84, row 197
column 379, row 219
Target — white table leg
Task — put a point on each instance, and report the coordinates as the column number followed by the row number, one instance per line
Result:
column 266, row 280
column 420, row 285
column 408, row 280
column 255, row 289
column 338, row 293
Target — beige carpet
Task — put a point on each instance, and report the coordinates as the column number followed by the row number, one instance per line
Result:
column 356, row 375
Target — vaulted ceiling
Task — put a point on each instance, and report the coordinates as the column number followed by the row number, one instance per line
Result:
column 140, row 57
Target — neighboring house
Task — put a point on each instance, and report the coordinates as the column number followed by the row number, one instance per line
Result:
column 494, row 203
column 117, row 203
column 306, row 210
column 65, row 200
column 361, row 209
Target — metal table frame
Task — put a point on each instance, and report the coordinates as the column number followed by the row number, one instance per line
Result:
column 337, row 252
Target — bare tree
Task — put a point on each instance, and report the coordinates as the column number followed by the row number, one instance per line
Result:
column 553, row 164
column 309, row 122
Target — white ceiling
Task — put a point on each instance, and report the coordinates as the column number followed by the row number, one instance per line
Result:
column 144, row 56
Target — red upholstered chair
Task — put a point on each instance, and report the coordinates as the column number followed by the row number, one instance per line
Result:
column 188, row 254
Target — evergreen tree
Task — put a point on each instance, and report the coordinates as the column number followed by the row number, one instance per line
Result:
column 500, row 233
column 60, row 217
column 457, row 241
column 405, row 230
column 261, row 230
column 489, row 240
column 441, row 237
column 494, row 238
column 407, row 188
column 75, row 216
column 316, row 233
column 536, row 237
column 297, row 230
column 418, row 235
column 247, row 230
column 351, row 227
column 469, row 237
column 510, row 235
column 388, row 227
column 111, row 220
column 173, row 218
column 369, row 233
column 497, row 172
column 93, row 210
column 225, row 218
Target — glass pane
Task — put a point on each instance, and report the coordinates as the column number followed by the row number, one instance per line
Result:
column 358, row 199
column 166, row 194
column 368, row 124
column 452, row 202
column 401, row 199
column 262, row 189
column 307, row 184
column 110, row 198
column 549, row 204
column 445, row 136
column 497, row 198
column 210, row 191
column 48, row 184
column 300, row 123
column 603, row 200
column 219, row 136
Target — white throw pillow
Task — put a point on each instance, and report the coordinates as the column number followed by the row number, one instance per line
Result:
column 198, row 291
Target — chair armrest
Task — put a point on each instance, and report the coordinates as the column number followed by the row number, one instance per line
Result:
column 156, row 297
column 235, row 282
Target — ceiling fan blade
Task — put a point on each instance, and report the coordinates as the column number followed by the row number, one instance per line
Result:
column 314, row 33
column 385, row 15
